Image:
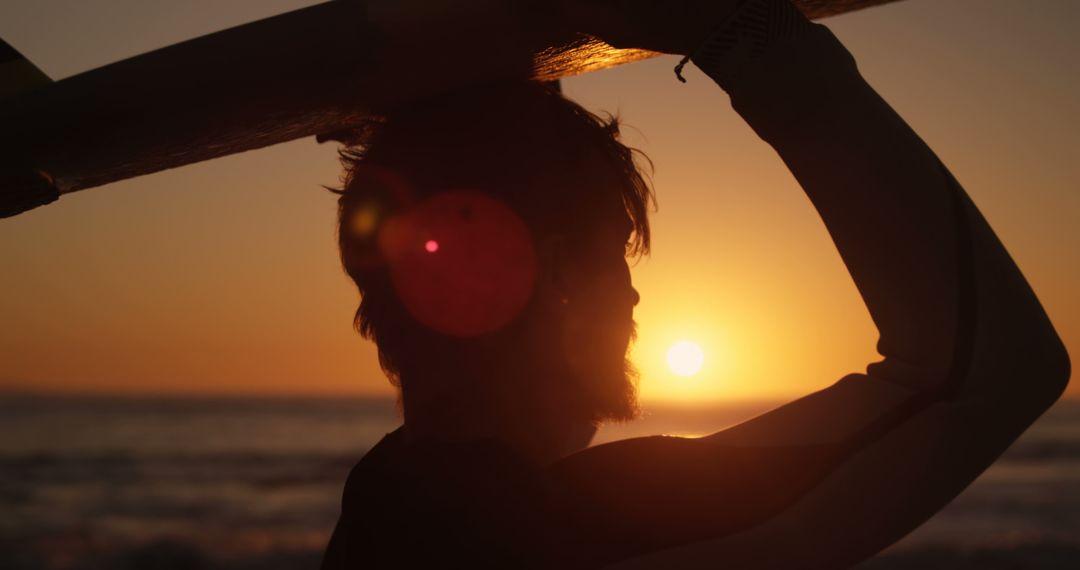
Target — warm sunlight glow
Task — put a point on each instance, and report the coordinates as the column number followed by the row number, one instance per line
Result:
column 685, row 358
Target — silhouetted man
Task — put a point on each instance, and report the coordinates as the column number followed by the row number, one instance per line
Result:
column 488, row 230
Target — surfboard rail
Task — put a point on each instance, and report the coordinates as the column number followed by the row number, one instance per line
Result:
column 308, row 72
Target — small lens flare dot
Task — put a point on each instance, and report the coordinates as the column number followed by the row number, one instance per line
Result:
column 364, row 222
column 431, row 246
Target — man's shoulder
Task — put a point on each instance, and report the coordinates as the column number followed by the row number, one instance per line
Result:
column 481, row 466
column 475, row 502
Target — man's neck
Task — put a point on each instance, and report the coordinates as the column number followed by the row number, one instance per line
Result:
column 539, row 438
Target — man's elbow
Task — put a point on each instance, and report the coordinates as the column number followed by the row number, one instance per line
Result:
column 1059, row 374
column 1032, row 369
column 1051, row 377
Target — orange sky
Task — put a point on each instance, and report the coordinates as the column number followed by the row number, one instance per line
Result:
column 223, row 278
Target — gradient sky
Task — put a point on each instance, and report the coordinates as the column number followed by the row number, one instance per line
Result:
column 223, row 277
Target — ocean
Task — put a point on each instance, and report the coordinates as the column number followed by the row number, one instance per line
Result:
column 255, row 483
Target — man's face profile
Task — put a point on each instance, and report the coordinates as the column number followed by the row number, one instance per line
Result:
column 597, row 318
column 492, row 258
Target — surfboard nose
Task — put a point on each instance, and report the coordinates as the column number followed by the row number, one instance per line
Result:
column 17, row 74
column 21, row 187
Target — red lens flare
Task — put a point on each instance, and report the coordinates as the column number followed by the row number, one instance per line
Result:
column 485, row 270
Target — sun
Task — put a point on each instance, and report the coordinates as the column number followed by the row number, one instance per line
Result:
column 685, row 358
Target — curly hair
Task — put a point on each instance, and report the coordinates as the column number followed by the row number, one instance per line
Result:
column 521, row 142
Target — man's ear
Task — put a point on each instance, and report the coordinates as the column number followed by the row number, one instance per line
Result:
column 552, row 288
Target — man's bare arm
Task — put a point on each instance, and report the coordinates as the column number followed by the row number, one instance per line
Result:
column 970, row 357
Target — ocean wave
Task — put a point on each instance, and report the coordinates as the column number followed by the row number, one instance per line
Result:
column 268, row 469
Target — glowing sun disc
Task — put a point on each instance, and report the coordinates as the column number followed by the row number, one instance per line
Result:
column 685, row 358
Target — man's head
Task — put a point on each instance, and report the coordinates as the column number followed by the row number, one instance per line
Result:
column 487, row 231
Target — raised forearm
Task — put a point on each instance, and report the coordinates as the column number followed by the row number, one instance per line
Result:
column 971, row 357
column 923, row 258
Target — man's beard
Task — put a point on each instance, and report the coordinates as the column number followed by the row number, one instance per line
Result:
column 588, row 376
column 611, row 392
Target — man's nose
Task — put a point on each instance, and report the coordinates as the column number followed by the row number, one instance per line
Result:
column 635, row 296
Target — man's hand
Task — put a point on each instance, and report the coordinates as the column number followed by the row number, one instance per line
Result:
column 666, row 26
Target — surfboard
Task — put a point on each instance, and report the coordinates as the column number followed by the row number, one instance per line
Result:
column 316, row 71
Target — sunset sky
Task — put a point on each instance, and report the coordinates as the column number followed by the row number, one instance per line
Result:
column 223, row 277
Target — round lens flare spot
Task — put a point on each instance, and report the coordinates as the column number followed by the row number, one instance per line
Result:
column 462, row 263
column 685, row 358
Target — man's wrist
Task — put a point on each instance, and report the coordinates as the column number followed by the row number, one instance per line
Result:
column 751, row 31
column 699, row 28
